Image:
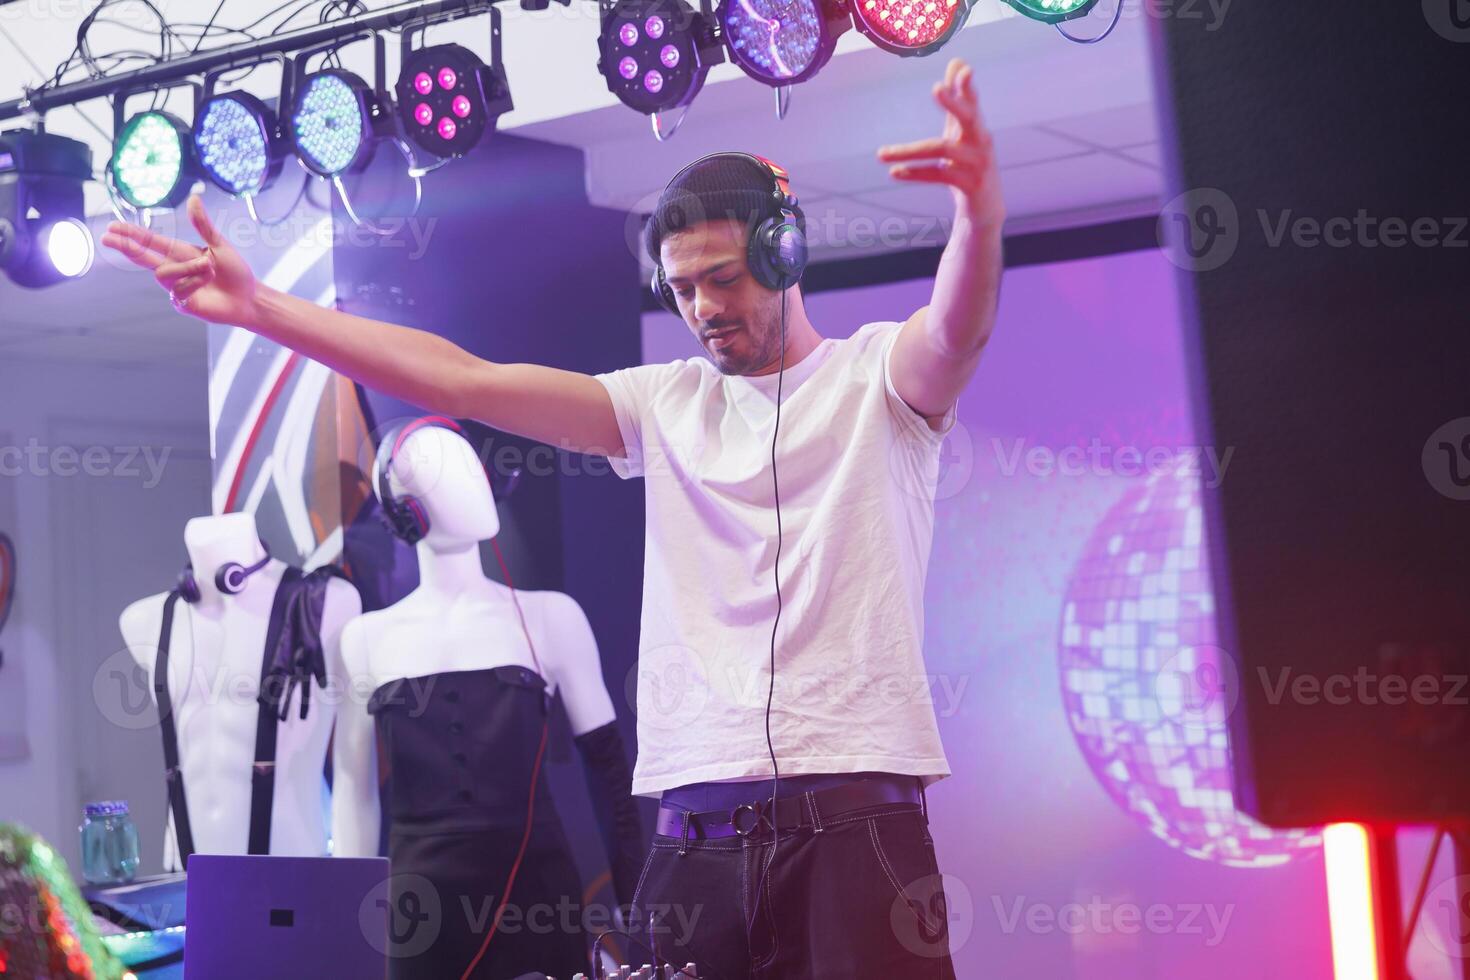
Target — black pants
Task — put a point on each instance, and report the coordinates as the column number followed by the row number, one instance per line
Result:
column 863, row 898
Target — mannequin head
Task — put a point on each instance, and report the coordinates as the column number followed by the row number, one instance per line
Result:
column 440, row 469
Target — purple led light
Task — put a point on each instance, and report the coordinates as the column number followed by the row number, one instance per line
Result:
column 628, row 34
column 422, row 83
column 461, row 106
column 447, row 78
column 422, row 114
column 669, row 56
column 653, row 81
column 628, row 67
column 447, row 128
column 654, row 26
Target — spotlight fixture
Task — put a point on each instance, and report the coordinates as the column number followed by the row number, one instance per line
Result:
column 655, row 54
column 153, row 160
column 237, row 139
column 332, row 122
column 910, row 27
column 43, row 238
column 781, row 43
column 448, row 98
column 1053, row 11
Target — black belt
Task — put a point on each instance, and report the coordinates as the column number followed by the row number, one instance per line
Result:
column 811, row 809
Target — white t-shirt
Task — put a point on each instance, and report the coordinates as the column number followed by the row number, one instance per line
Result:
column 857, row 469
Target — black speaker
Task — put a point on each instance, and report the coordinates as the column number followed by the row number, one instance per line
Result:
column 1318, row 210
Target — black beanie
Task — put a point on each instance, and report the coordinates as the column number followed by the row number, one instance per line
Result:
column 725, row 186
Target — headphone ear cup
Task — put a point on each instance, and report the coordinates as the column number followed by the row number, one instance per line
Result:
column 406, row 518
column 230, row 577
column 187, row 588
column 777, row 253
column 666, row 297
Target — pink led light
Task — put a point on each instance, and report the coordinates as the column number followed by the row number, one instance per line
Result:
column 654, row 25
column 447, row 78
column 422, row 83
column 628, row 67
column 447, row 128
column 628, row 34
column 669, row 56
column 461, row 106
column 654, row 82
column 422, row 114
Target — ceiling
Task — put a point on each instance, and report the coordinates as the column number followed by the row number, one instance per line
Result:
column 1074, row 125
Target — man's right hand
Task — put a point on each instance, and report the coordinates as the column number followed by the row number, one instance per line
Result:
column 213, row 283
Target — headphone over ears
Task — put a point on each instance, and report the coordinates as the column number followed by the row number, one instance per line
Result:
column 229, row 578
column 776, row 250
column 406, row 516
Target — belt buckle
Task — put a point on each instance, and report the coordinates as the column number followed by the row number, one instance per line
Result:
column 758, row 808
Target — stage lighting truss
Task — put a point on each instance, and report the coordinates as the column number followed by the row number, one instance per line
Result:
column 1054, row 11
column 239, row 141
column 781, row 42
column 44, row 238
column 655, row 54
column 910, row 27
column 153, row 164
column 448, row 99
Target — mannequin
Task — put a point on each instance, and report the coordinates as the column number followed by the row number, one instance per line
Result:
column 438, row 648
column 216, row 650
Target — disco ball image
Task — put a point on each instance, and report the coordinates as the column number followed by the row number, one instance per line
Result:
column 1146, row 689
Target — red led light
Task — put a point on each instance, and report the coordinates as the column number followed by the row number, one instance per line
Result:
column 908, row 23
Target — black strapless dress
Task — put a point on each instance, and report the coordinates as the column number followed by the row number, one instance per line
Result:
column 461, row 746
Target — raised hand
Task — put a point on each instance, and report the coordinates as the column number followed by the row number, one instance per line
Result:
column 963, row 158
column 213, row 283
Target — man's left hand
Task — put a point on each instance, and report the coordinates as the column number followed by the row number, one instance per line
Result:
column 963, row 158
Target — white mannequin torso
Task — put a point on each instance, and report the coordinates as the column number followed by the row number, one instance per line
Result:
column 216, row 651
column 456, row 620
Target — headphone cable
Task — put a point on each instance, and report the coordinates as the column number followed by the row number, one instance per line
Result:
column 535, row 773
column 771, row 689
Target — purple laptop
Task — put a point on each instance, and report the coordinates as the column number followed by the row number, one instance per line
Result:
column 251, row 916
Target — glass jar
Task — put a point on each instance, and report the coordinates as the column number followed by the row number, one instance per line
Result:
column 109, row 844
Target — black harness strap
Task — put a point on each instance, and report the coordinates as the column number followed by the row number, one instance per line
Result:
column 173, row 773
column 263, row 772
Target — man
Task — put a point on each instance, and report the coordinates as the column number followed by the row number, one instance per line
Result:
column 856, row 427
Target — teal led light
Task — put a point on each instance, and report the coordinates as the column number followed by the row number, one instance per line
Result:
column 330, row 122
column 150, row 161
column 1053, row 11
